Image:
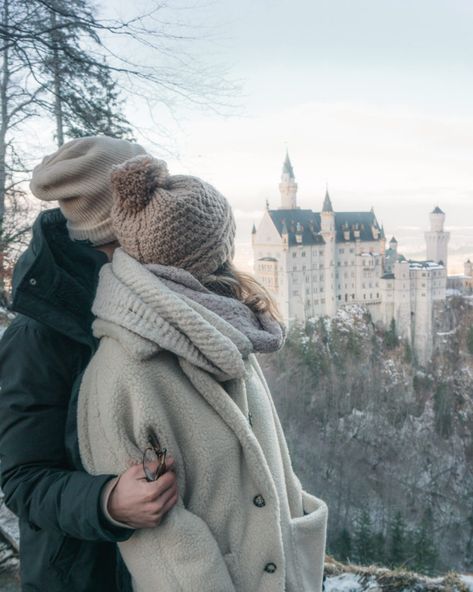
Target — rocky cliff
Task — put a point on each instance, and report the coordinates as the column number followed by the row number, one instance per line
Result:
column 388, row 444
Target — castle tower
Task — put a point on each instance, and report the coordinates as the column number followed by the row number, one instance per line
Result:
column 288, row 186
column 437, row 239
column 327, row 216
column 327, row 230
column 468, row 268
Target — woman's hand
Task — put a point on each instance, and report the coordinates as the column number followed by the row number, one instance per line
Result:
column 140, row 503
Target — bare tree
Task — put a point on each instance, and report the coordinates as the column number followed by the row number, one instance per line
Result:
column 18, row 103
column 59, row 61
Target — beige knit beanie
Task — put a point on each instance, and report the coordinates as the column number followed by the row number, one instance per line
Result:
column 78, row 177
column 173, row 220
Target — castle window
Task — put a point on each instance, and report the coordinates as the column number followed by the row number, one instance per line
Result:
column 339, row 297
column 341, row 251
column 294, row 253
column 303, row 254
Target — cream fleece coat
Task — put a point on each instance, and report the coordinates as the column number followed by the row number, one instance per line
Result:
column 169, row 366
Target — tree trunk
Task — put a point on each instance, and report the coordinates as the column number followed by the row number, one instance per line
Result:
column 57, row 85
column 4, row 81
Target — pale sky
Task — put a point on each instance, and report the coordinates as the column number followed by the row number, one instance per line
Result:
column 373, row 97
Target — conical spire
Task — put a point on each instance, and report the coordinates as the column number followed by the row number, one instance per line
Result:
column 253, row 230
column 287, row 166
column 327, row 207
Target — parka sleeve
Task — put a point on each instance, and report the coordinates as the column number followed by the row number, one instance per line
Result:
column 37, row 372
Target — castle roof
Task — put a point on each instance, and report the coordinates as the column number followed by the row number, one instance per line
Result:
column 287, row 166
column 309, row 224
column 437, row 210
column 393, row 240
column 327, row 207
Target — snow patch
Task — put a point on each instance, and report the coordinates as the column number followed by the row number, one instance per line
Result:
column 468, row 580
column 347, row 582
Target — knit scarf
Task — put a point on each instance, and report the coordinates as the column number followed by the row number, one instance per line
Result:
column 170, row 309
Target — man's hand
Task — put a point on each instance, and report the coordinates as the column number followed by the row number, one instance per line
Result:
column 140, row 503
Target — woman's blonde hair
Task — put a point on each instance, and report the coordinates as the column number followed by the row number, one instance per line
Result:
column 230, row 281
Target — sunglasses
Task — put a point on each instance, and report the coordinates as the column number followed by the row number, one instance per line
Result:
column 154, row 459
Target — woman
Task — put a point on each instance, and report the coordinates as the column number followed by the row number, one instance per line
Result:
column 176, row 368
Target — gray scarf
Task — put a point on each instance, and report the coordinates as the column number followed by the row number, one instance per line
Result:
column 169, row 308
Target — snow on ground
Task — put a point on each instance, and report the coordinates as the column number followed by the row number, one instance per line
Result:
column 347, row 582
column 468, row 580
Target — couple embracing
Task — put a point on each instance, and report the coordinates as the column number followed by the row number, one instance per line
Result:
column 140, row 445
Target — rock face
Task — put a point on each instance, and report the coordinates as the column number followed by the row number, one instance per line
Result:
column 387, row 444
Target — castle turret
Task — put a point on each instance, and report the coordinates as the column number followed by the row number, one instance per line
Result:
column 327, row 230
column 288, row 186
column 468, row 268
column 253, row 234
column 436, row 238
column 327, row 216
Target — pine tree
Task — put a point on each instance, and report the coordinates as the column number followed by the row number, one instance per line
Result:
column 425, row 553
column 379, row 548
column 363, row 539
column 82, row 93
column 342, row 547
column 398, row 543
column 390, row 336
column 443, row 410
column 469, row 339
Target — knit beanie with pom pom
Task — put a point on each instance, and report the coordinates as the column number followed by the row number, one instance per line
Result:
column 173, row 220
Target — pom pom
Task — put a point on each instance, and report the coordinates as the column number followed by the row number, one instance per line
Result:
column 134, row 182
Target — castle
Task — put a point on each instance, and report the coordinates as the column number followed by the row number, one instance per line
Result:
column 315, row 262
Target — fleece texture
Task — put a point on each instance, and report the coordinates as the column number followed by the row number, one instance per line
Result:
column 168, row 366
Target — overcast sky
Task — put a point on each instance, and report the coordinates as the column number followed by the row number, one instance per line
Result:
column 373, row 97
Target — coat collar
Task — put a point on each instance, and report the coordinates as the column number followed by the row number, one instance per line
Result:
column 55, row 279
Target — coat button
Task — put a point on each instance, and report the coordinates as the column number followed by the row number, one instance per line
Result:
column 270, row 567
column 258, row 500
column 33, row 282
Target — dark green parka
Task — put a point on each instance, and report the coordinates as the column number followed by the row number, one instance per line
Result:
column 65, row 541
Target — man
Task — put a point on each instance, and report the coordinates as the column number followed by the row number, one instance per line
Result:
column 70, row 521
